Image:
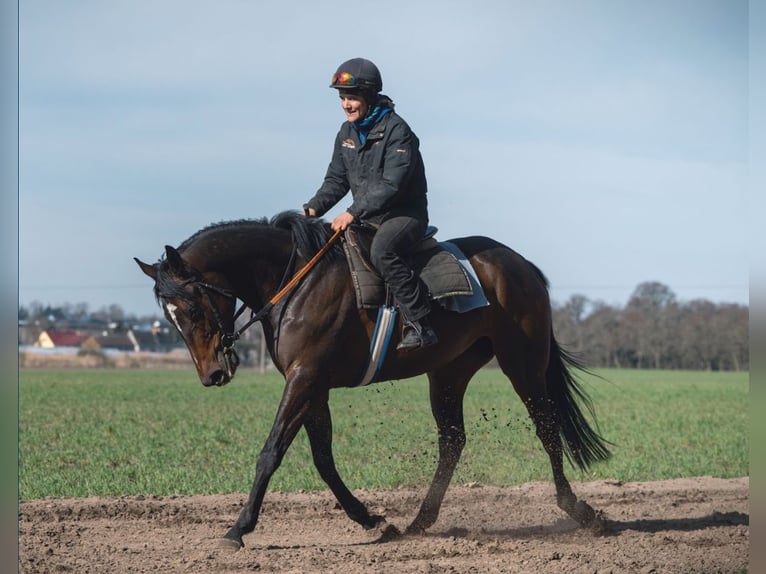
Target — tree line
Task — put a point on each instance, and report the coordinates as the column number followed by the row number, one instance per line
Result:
column 653, row 330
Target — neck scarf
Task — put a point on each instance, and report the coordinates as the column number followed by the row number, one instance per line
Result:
column 374, row 116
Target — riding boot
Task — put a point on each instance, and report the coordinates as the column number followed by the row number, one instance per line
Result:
column 417, row 334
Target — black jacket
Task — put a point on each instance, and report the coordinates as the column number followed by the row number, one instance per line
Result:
column 384, row 174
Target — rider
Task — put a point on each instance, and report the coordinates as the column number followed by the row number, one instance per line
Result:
column 377, row 157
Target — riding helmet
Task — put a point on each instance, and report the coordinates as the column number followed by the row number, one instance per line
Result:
column 357, row 74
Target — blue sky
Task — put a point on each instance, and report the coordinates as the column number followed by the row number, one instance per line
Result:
column 607, row 141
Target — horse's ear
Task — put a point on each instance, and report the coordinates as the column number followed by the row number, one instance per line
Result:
column 150, row 270
column 175, row 262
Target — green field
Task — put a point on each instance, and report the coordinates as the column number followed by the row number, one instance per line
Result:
column 127, row 432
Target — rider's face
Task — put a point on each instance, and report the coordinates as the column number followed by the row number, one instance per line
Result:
column 354, row 106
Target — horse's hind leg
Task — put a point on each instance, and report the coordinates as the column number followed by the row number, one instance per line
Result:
column 318, row 427
column 447, row 387
column 529, row 381
column 548, row 431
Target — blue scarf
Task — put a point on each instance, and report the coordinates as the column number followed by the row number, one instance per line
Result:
column 377, row 113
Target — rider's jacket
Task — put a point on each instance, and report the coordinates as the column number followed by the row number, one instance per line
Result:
column 383, row 169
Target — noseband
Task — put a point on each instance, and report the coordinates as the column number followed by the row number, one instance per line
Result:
column 226, row 346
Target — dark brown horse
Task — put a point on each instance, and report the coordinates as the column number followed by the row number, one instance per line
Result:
column 320, row 340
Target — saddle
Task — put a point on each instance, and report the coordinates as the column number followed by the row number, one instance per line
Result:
column 438, row 268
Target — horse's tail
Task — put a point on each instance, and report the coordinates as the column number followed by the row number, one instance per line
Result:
column 583, row 445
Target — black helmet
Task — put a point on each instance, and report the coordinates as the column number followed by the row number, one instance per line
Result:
column 357, row 74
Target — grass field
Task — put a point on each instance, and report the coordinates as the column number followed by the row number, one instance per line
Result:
column 127, row 432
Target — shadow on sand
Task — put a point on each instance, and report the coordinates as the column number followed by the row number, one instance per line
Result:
column 613, row 527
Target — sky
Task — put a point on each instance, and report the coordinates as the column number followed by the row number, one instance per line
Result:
column 604, row 140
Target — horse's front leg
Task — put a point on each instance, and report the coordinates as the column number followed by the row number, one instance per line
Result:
column 293, row 408
column 319, row 429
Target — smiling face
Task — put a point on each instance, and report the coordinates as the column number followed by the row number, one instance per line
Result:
column 354, row 106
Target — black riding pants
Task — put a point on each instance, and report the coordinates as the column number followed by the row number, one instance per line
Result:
column 395, row 238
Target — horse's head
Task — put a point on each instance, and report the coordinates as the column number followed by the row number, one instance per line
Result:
column 202, row 311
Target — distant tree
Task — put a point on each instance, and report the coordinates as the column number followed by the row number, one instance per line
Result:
column 714, row 337
column 108, row 314
column 35, row 310
column 651, row 297
column 47, row 315
column 696, row 338
column 116, row 313
column 603, row 333
column 650, row 317
column 567, row 322
column 80, row 311
column 732, row 326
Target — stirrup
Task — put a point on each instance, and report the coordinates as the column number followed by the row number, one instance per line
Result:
column 417, row 334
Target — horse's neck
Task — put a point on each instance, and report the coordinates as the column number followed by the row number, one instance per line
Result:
column 253, row 263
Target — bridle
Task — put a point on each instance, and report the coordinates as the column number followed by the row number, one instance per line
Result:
column 226, row 345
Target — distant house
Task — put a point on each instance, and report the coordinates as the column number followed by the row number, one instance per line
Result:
column 52, row 339
column 112, row 341
column 155, row 340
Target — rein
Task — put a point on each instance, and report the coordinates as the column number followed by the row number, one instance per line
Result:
column 228, row 339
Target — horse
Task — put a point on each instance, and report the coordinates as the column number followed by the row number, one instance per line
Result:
column 319, row 339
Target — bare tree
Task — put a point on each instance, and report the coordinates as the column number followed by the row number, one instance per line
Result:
column 731, row 326
column 696, row 348
column 651, row 314
column 603, row 334
column 567, row 322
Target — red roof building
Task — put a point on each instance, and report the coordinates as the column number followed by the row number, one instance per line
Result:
column 52, row 339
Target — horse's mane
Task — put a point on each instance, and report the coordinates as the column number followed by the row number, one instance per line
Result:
column 309, row 234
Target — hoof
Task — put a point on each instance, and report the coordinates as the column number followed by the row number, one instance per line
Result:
column 415, row 530
column 600, row 525
column 230, row 545
column 376, row 521
column 589, row 518
column 583, row 513
column 388, row 532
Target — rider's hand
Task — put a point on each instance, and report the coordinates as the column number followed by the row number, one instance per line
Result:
column 342, row 221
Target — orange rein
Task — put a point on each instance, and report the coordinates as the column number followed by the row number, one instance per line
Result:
column 305, row 269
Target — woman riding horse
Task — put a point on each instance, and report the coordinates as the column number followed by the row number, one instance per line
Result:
column 319, row 340
column 377, row 156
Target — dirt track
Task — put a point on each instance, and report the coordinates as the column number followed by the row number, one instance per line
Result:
column 677, row 526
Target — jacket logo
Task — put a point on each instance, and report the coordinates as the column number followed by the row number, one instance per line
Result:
column 349, row 143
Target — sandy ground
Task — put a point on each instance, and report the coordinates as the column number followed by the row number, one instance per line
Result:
column 675, row 526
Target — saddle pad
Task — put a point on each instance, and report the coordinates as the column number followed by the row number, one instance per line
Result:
column 437, row 267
